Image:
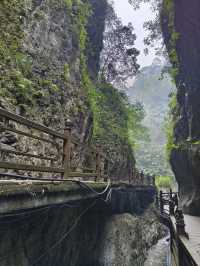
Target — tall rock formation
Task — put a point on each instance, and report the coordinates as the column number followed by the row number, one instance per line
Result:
column 49, row 62
column 180, row 24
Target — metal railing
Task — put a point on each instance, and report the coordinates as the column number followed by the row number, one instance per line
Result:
column 13, row 123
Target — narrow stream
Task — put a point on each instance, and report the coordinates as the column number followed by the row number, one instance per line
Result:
column 159, row 255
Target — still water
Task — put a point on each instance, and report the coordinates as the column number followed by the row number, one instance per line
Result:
column 159, row 255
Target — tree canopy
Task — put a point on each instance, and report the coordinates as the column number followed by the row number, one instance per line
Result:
column 153, row 26
column 118, row 121
column 119, row 55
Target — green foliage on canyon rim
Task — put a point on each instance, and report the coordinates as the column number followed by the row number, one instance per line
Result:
column 164, row 182
column 117, row 121
column 168, row 10
column 18, row 85
column 114, row 119
column 15, row 66
column 170, row 124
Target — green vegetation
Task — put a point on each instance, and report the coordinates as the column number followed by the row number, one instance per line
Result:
column 115, row 119
column 164, row 13
column 169, row 125
column 168, row 8
column 112, row 118
column 80, row 19
column 153, row 92
column 136, row 130
column 18, row 85
column 80, row 24
column 66, row 72
column 164, row 182
column 15, row 67
column 119, row 55
column 68, row 4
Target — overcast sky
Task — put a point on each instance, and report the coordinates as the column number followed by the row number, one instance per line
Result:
column 128, row 14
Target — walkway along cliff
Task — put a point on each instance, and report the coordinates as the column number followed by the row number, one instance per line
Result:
column 49, row 64
column 180, row 25
column 58, row 206
column 55, row 220
column 184, row 237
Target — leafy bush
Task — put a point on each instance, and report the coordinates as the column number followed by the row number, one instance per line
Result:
column 116, row 120
column 68, row 4
column 163, row 181
column 169, row 125
column 15, row 66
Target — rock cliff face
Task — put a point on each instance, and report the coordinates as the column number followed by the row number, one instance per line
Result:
column 44, row 74
column 84, row 233
column 181, row 29
column 49, row 60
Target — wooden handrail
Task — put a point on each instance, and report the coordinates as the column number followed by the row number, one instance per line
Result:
column 28, row 167
column 28, row 154
column 66, row 153
column 3, row 128
column 45, row 169
column 29, row 123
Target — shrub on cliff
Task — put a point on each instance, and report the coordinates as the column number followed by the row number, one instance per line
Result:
column 164, row 181
column 118, row 121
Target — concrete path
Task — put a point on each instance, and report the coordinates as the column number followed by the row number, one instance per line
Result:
column 193, row 229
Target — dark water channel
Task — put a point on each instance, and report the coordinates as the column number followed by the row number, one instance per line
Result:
column 159, row 255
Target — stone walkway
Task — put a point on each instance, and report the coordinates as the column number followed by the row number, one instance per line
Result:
column 193, row 229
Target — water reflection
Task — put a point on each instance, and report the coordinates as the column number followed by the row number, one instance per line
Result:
column 159, row 255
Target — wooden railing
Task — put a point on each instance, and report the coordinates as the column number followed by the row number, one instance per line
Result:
column 63, row 144
column 169, row 207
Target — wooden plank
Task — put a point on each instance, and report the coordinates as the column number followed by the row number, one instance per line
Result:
column 67, row 151
column 3, row 128
column 28, row 154
column 15, row 166
column 28, row 167
column 80, row 174
column 88, row 169
column 22, row 177
column 26, row 122
column 191, row 245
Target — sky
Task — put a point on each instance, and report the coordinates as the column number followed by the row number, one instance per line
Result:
column 126, row 12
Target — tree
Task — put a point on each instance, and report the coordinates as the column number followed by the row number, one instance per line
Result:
column 117, row 120
column 137, row 132
column 136, row 3
column 119, row 56
column 153, row 27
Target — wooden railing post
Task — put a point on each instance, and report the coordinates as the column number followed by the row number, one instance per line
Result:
column 180, row 223
column 157, row 200
column 170, row 194
column 161, row 202
column 106, row 170
column 67, row 148
column 142, row 178
column 98, row 166
column 171, row 203
column 98, row 162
